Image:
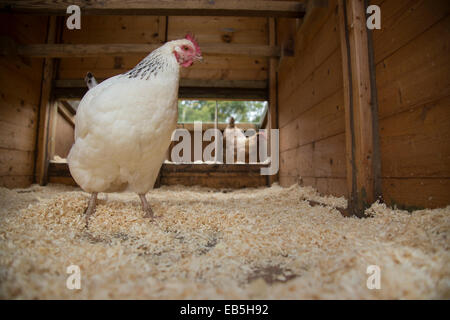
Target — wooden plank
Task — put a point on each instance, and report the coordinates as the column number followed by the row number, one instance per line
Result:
column 325, row 186
column 62, row 168
column 210, row 125
column 334, row 186
column 213, row 168
column 70, row 109
column 316, row 10
column 272, row 112
column 66, row 113
column 213, row 68
column 162, row 7
column 58, row 169
column 52, row 133
column 17, row 137
column 359, row 117
column 324, row 158
column 416, row 143
column 64, row 137
column 311, row 108
column 62, row 180
column 212, row 176
column 184, row 93
column 289, row 163
column 18, row 107
column 220, row 30
column 44, row 110
column 198, row 83
column 287, row 181
column 410, row 19
column 417, row 73
column 112, row 49
column 416, row 193
column 321, row 121
column 117, row 29
column 329, row 157
column 16, row 162
column 20, row 80
column 311, row 52
column 223, row 181
column 318, row 86
column 15, row 181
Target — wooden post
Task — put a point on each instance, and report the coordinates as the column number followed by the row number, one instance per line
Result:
column 360, row 113
column 45, row 110
column 272, row 122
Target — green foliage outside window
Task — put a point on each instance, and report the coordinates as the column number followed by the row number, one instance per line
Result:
column 203, row 110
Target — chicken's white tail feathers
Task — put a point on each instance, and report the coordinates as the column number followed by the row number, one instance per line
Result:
column 90, row 80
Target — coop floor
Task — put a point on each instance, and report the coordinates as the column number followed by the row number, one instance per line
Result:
column 206, row 244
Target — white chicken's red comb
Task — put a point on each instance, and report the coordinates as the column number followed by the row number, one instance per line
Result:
column 192, row 39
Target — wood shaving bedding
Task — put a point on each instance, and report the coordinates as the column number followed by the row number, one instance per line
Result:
column 267, row 243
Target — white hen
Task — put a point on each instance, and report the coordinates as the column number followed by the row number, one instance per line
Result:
column 123, row 125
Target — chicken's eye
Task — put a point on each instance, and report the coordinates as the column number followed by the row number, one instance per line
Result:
column 185, row 48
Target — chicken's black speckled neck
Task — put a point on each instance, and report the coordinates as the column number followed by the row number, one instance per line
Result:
column 150, row 66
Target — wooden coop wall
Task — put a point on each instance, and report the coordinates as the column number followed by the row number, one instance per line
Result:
column 411, row 66
column 20, row 87
column 413, row 81
column 311, row 105
column 154, row 30
column 64, row 135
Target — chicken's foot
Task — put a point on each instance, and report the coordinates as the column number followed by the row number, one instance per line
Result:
column 91, row 207
column 146, row 207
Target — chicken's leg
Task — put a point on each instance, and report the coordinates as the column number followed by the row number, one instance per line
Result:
column 146, row 207
column 91, row 207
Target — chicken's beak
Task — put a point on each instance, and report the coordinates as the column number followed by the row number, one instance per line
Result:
column 199, row 58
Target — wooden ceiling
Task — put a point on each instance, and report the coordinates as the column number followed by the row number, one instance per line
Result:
column 116, row 35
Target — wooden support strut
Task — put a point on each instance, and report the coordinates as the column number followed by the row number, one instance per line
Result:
column 45, row 107
column 362, row 150
column 273, row 90
column 238, row 8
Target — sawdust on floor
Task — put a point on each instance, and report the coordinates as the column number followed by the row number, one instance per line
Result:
column 266, row 243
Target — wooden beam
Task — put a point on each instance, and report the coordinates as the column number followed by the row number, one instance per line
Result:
column 61, row 169
column 360, row 118
column 272, row 114
column 52, row 125
column 222, row 93
column 42, row 156
column 96, row 50
column 219, row 167
column 217, row 83
column 66, row 112
column 189, row 89
column 315, row 9
column 71, row 110
column 291, row 9
column 183, row 93
column 211, row 125
column 273, row 78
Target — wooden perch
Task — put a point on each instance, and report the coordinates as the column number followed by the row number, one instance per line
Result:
column 189, row 88
column 290, row 9
column 196, row 83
